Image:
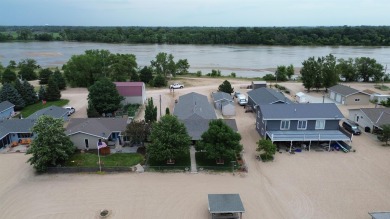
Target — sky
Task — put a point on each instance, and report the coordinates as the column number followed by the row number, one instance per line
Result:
column 227, row 13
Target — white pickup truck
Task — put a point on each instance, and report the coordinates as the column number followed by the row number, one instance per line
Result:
column 176, row 86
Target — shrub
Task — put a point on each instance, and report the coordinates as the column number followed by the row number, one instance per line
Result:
column 269, row 77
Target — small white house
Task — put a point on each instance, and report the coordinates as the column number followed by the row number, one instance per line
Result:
column 300, row 97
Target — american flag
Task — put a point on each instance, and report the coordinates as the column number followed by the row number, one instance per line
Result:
column 101, row 144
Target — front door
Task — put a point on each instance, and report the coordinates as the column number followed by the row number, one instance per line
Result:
column 86, row 144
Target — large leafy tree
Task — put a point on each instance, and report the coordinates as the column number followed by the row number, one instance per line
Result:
column 8, row 76
column 169, row 138
column 27, row 69
column 150, row 112
column 123, row 67
column 308, row 72
column 281, row 73
column 384, row 136
column 164, row 64
column 146, row 74
column 226, row 87
column 52, row 146
column 8, row 92
column 60, row 80
column 159, row 81
column 290, row 71
column 330, row 74
column 220, row 141
column 138, row 131
column 104, row 96
column 44, row 75
column 368, row 68
column 52, row 90
column 182, row 66
column 347, row 69
column 267, row 147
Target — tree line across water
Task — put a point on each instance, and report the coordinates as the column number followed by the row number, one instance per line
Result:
column 338, row 35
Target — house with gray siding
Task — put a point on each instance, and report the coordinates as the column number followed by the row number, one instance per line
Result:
column 53, row 111
column 86, row 132
column 348, row 96
column 195, row 112
column 300, row 122
column 6, row 110
column 265, row 95
column 373, row 118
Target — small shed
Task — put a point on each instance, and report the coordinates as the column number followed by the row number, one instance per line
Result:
column 228, row 108
column 258, row 84
column 133, row 92
column 225, row 206
column 300, row 97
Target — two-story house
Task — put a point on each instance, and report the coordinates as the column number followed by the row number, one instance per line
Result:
column 300, row 122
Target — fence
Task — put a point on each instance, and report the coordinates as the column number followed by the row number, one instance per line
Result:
column 88, row 169
column 167, row 168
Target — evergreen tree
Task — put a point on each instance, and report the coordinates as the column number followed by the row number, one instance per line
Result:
column 104, row 96
column 159, row 81
column 226, row 87
column 91, row 111
column 150, row 111
column 8, row 76
column 44, row 76
column 146, row 75
column 42, row 93
column 8, row 92
column 61, row 83
column 52, row 91
column 30, row 97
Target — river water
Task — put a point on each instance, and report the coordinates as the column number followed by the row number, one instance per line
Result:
column 244, row 60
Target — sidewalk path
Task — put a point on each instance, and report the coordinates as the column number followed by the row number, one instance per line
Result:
column 193, row 161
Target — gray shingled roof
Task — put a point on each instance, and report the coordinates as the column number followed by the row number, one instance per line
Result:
column 301, row 111
column 378, row 116
column 225, row 203
column 100, row 127
column 224, row 103
column 345, row 90
column 15, row 126
column 219, row 96
column 266, row 95
column 5, row 105
column 194, row 104
column 380, row 215
column 196, row 127
column 53, row 111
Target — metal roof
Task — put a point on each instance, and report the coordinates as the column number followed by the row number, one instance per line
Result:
column 219, row 96
column 301, row 111
column 15, row 126
column 266, row 95
column 380, row 215
column 308, row 135
column 194, row 104
column 225, row 203
column 100, row 127
column 5, row 105
column 196, row 127
column 53, row 111
column 345, row 90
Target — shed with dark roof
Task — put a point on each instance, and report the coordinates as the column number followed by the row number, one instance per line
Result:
column 348, row 96
column 225, row 206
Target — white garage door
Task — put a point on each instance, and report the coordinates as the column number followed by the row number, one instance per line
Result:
column 338, row 98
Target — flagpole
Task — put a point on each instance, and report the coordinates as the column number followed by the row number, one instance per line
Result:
column 100, row 166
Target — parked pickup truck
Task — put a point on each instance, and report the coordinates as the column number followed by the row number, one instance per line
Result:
column 176, row 86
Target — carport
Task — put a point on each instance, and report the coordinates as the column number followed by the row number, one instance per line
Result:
column 308, row 136
column 225, row 206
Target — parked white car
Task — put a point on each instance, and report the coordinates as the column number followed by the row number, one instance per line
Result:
column 176, row 86
column 242, row 100
column 70, row 109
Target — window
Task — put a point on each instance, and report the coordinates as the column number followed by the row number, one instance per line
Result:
column 302, row 124
column 320, row 124
column 285, row 125
column 357, row 100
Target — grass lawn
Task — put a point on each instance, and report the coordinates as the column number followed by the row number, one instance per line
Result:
column 111, row 160
column 206, row 163
column 28, row 110
column 182, row 160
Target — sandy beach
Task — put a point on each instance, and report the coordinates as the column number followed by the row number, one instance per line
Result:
column 302, row 185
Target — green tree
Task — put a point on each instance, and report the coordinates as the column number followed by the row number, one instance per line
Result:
column 150, row 111
column 290, row 71
column 164, row 64
column 347, row 69
column 51, row 146
column 268, row 149
column 220, row 141
column 91, row 111
column 309, row 72
column 60, row 80
column 44, row 75
column 27, row 69
column 146, row 74
column 52, row 91
column 11, row 65
column 42, row 93
column 384, row 136
column 159, row 81
column 368, row 68
column 182, row 66
column 123, row 67
column 8, row 92
column 8, row 76
column 26, row 91
column 226, row 87
column 281, row 73
column 329, row 72
column 138, row 131
column 169, row 138
column 104, row 96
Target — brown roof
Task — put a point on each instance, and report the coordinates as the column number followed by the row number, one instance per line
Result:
column 368, row 91
column 345, row 90
column 100, row 127
column 378, row 116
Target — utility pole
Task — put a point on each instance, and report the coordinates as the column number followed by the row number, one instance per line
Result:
column 160, row 106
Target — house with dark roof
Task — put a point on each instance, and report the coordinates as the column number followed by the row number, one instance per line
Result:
column 224, row 102
column 133, row 92
column 195, row 112
column 53, row 111
column 265, row 95
column 86, row 132
column 6, row 110
column 300, row 122
column 348, row 96
column 15, row 130
column 373, row 118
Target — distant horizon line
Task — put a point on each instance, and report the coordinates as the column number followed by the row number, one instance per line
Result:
column 48, row 25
